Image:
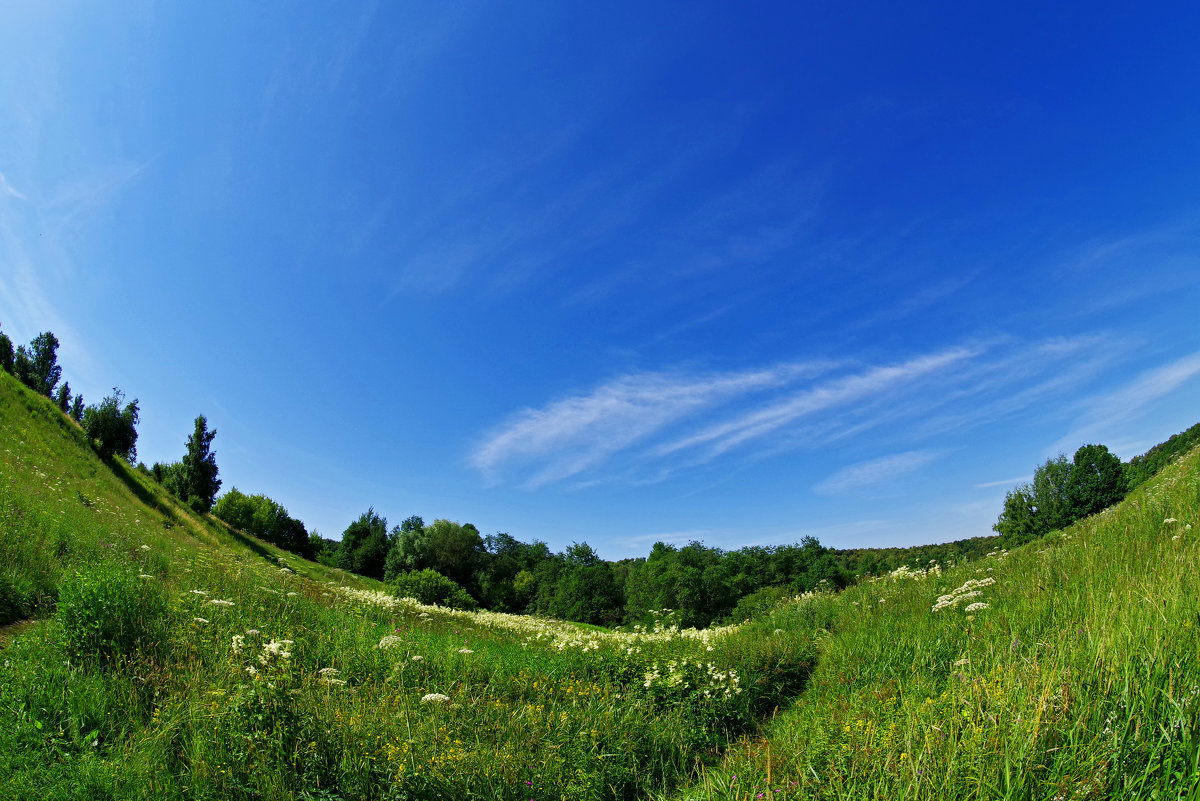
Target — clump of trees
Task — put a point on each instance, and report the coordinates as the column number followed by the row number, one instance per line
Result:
column 264, row 518
column 1061, row 493
column 36, row 366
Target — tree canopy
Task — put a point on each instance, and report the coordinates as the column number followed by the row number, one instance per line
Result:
column 112, row 427
column 1062, row 492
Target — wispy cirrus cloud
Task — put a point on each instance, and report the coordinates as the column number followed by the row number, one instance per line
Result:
column 1105, row 413
column 875, row 471
column 646, row 427
column 569, row 436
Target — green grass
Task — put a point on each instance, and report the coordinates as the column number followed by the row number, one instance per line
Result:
column 174, row 658
column 1080, row 679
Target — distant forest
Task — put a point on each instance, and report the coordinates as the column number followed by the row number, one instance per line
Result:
column 453, row 564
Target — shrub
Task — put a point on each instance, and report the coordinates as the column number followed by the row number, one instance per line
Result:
column 431, row 587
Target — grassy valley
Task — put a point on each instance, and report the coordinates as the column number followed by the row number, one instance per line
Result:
column 158, row 653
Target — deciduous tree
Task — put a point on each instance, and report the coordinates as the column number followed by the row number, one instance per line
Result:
column 113, row 428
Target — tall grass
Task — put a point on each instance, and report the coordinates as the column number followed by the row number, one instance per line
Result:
column 174, row 658
column 1080, row 678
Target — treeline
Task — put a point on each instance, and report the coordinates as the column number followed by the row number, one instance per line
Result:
column 453, row 563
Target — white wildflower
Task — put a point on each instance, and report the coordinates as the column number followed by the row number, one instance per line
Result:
column 418, row 658
column 390, row 641
column 145, row 575
column 434, row 698
column 975, row 607
column 219, row 602
column 293, row 594
column 252, row 632
column 329, row 671
column 198, row 592
column 1170, row 520
column 199, row 620
column 332, row 681
column 238, row 643
column 143, row 547
column 465, row 651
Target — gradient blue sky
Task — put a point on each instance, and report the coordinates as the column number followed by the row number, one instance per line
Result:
column 615, row 272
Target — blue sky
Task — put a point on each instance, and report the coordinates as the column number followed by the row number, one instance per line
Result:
column 617, row 272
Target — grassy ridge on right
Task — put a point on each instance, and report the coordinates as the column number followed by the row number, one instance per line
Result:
column 1066, row 669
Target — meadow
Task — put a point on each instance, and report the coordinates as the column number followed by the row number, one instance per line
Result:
column 160, row 654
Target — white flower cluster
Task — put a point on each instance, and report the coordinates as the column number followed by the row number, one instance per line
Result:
column 434, row 698
column 687, row 675
column 329, row 676
column 390, row 641
column 905, row 572
column 273, row 650
column 971, row 589
column 559, row 634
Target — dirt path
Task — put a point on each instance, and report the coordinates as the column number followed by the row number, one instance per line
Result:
column 10, row 630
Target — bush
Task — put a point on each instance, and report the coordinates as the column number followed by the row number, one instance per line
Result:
column 431, row 587
column 109, row 613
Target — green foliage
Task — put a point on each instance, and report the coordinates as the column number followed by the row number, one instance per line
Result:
column 6, row 353
column 109, row 613
column 113, row 428
column 759, row 603
column 263, row 518
column 431, row 587
column 456, row 550
column 77, row 409
column 1061, row 493
column 364, row 545
column 37, row 366
column 1142, row 468
column 200, row 468
column 62, row 398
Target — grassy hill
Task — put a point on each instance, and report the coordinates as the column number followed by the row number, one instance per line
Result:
column 170, row 657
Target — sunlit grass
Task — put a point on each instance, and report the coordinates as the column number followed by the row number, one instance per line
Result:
column 173, row 658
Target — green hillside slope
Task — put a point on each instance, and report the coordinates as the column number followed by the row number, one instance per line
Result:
column 1067, row 669
column 162, row 655
column 172, row 658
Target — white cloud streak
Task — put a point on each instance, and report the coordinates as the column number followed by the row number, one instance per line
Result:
column 873, row 472
column 1106, row 413
column 571, row 435
column 646, row 427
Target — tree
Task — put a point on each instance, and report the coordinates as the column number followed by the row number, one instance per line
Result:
column 1062, row 492
column 63, row 397
column 1097, row 481
column 6, row 353
column 113, row 428
column 77, row 409
column 364, row 545
column 38, row 367
column 200, row 468
column 1019, row 523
